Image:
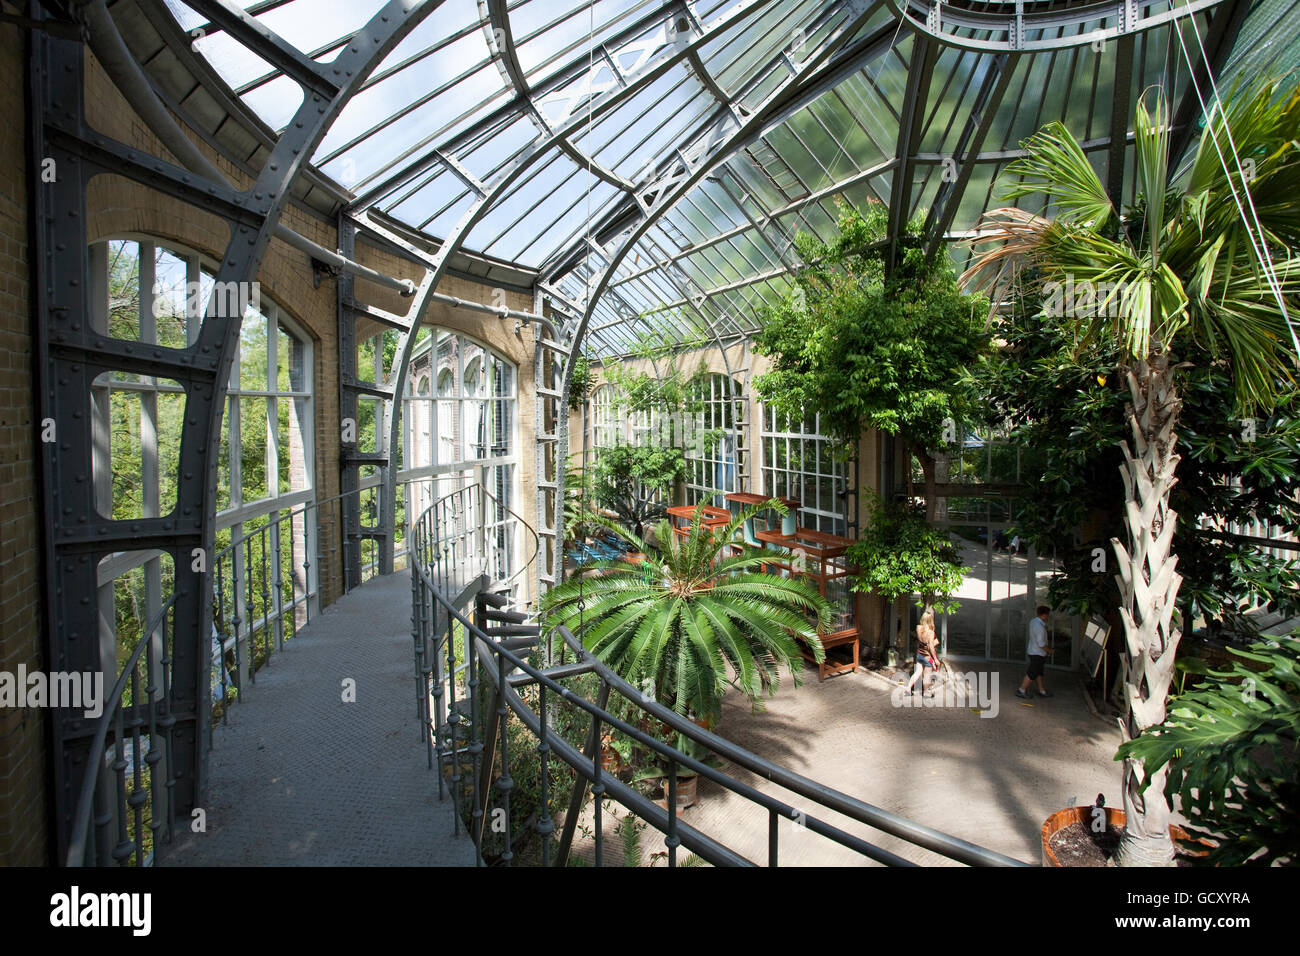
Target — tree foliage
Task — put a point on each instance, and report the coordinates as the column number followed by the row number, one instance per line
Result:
column 1231, row 749
column 628, row 477
column 899, row 554
column 866, row 347
column 1064, row 407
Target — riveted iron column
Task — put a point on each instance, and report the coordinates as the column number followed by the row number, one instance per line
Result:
column 349, row 418
column 72, row 354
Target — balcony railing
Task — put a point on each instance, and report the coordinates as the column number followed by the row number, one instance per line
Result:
column 469, row 738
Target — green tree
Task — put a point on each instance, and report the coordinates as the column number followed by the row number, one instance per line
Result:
column 899, row 554
column 1064, row 408
column 868, row 347
column 628, row 479
column 1180, row 261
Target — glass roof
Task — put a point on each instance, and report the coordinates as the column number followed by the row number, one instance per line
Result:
column 664, row 155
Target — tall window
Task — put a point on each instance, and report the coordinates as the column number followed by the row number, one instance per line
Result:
column 606, row 422
column 156, row 294
column 798, row 463
column 714, row 438
column 461, row 406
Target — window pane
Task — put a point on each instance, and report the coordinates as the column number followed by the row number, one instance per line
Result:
column 252, row 353
column 171, row 295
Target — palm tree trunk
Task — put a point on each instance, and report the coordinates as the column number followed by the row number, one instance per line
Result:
column 1148, row 583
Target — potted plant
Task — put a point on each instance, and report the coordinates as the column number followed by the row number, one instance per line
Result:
column 693, row 621
column 1180, row 263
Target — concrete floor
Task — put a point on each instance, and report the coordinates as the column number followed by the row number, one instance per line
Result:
column 300, row 778
column 991, row 781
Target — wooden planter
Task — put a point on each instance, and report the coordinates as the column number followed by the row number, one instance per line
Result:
column 1083, row 815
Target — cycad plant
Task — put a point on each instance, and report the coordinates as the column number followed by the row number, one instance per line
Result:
column 1183, row 264
column 693, row 619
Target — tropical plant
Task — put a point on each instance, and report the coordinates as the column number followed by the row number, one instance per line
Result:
column 693, row 619
column 581, row 383
column 867, row 347
column 1181, row 261
column 630, row 830
column 1231, row 748
column 632, row 480
column 1064, row 409
column 900, row 554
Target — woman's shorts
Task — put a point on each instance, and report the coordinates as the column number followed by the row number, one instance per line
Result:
column 924, row 659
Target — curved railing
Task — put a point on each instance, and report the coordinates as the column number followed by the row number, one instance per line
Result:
column 477, row 739
column 263, row 590
column 117, row 808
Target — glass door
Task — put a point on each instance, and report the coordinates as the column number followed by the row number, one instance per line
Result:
column 965, row 633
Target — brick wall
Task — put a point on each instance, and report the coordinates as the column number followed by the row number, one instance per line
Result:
column 22, row 750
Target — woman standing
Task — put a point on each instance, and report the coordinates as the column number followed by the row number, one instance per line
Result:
column 927, row 651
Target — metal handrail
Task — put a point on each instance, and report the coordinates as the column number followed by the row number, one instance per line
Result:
column 112, row 714
column 588, row 766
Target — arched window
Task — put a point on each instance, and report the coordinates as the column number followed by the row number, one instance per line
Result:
column 714, row 437
column 157, row 293
column 472, row 415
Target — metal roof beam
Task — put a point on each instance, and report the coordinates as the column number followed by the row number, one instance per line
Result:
column 1219, row 39
column 270, row 46
column 978, row 124
column 924, row 53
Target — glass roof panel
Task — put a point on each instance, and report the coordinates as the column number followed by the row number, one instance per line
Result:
column 446, row 88
column 311, row 24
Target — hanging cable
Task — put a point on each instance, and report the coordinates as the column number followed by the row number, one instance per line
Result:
column 582, row 495
column 1260, row 246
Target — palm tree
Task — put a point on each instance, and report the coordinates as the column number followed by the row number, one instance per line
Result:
column 693, row 618
column 1179, row 266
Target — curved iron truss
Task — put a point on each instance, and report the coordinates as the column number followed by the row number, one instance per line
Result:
column 641, row 167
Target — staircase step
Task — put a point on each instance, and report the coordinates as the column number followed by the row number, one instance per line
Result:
column 513, row 630
column 505, row 617
column 516, row 644
column 494, row 599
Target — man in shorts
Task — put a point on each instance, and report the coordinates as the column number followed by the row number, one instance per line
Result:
column 1038, row 650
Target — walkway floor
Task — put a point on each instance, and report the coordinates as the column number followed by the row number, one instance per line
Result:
column 300, row 778
column 991, row 781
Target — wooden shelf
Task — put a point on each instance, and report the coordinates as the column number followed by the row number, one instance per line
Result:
column 712, row 518
column 818, row 558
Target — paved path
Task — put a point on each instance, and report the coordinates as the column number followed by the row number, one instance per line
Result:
column 991, row 781
column 300, row 778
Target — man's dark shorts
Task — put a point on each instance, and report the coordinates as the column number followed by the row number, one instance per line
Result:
column 1037, row 663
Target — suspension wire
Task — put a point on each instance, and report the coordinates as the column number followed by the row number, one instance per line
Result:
column 1260, row 247
column 590, row 148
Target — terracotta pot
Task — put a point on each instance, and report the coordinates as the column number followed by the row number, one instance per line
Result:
column 687, row 792
column 1114, row 817
column 610, row 761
